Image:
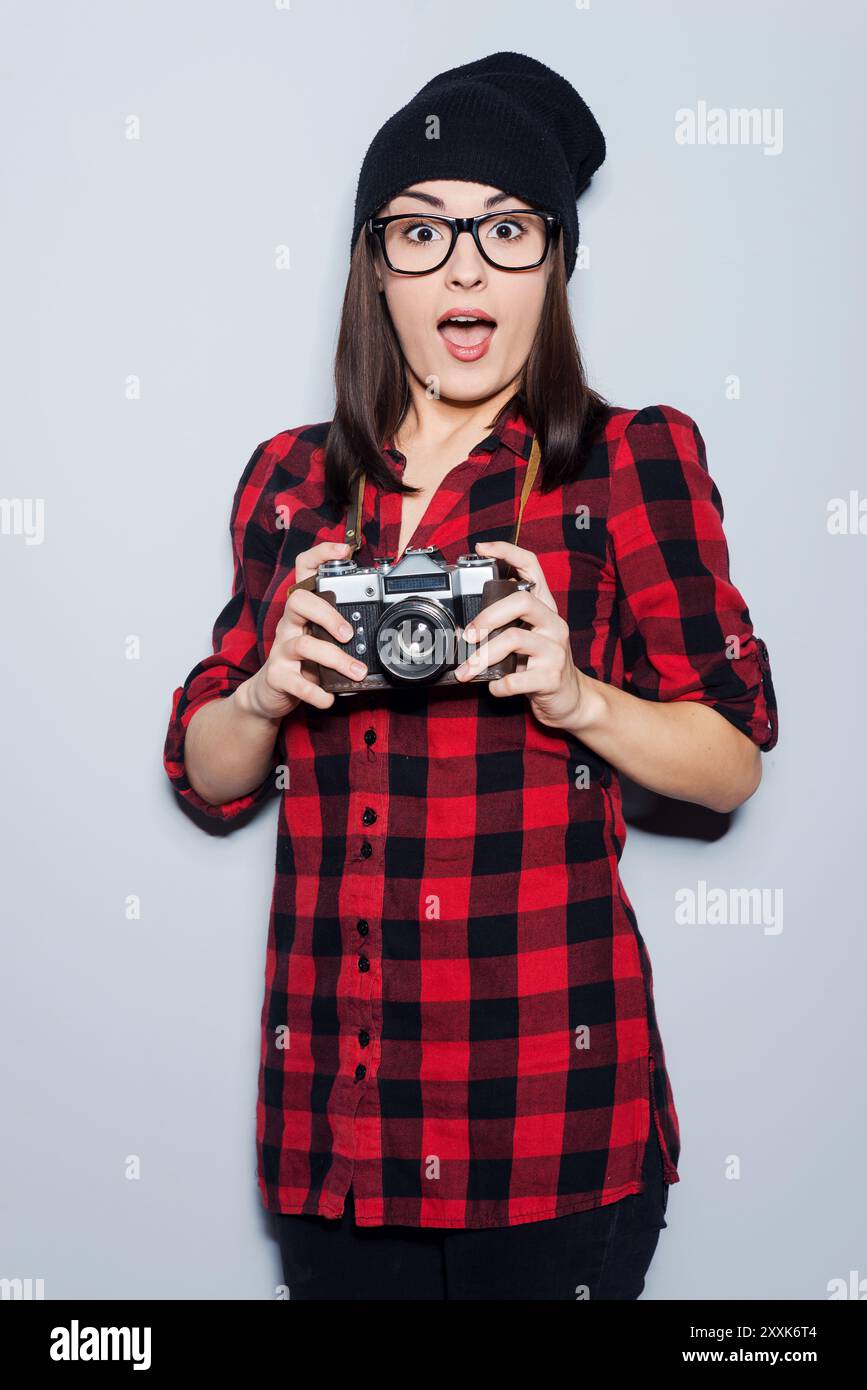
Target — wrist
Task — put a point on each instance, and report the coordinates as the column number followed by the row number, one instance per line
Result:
column 246, row 703
column 590, row 714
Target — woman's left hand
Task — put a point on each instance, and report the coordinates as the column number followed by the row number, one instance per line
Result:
column 547, row 676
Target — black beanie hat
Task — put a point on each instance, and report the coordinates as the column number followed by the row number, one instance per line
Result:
column 506, row 120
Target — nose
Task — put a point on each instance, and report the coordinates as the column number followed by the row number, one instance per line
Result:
column 465, row 266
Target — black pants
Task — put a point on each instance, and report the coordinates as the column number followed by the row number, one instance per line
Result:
column 602, row 1253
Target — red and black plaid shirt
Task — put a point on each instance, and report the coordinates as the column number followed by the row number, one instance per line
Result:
column 458, row 1017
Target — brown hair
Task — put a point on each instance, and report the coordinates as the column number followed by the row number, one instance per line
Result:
column 372, row 394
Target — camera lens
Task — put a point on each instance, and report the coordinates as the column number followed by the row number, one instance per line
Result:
column 415, row 641
column 330, row 568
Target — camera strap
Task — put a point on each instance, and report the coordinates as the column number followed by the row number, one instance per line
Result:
column 529, row 479
column 352, row 534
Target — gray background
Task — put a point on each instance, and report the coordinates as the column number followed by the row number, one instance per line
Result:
column 156, row 257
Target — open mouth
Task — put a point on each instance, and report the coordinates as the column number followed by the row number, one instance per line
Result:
column 466, row 330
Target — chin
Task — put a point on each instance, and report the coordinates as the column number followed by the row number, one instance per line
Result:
column 469, row 383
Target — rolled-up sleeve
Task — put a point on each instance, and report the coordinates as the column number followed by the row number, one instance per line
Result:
column 685, row 628
column 234, row 658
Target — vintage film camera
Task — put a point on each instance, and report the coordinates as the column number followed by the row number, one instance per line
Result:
column 408, row 616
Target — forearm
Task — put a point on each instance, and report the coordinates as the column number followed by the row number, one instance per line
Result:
column 228, row 747
column 681, row 749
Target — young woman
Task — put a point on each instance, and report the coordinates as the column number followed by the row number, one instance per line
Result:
column 463, row 1089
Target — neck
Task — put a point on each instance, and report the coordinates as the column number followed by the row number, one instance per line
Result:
column 439, row 420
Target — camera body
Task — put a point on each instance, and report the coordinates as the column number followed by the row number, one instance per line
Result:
column 408, row 617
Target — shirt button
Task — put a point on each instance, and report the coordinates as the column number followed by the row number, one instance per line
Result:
column 370, row 736
column 363, row 964
column 362, row 926
column 364, row 1037
column 360, row 1072
column 368, row 815
column 366, row 849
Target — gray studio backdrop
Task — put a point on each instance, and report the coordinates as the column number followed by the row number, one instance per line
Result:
column 158, row 159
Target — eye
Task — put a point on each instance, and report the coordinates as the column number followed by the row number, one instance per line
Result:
column 507, row 229
column 430, row 233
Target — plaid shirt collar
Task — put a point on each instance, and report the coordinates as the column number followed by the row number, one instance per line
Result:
column 513, row 430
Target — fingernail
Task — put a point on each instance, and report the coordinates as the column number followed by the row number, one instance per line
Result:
column 357, row 668
column 346, row 632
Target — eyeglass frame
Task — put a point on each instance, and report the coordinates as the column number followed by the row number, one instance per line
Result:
column 552, row 220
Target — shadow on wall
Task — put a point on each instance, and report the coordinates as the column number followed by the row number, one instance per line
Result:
column 213, row 824
column 663, row 815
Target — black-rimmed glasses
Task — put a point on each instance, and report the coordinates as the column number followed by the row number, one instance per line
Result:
column 415, row 244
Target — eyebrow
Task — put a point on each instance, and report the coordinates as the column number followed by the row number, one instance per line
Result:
column 438, row 202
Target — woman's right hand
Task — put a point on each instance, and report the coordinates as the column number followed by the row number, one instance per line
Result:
column 283, row 683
